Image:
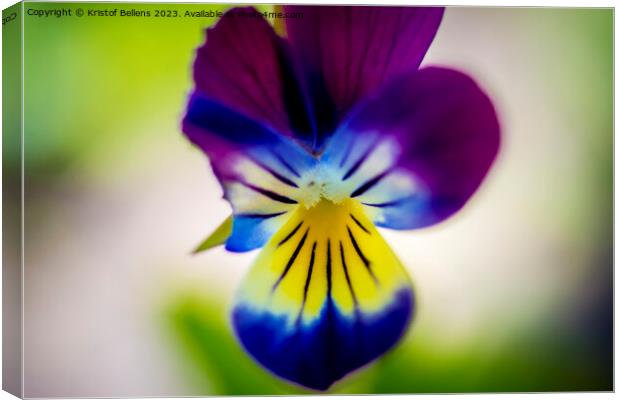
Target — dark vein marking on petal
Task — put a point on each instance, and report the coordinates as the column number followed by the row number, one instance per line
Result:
column 261, row 216
column 272, row 195
column 243, row 95
column 329, row 315
column 291, row 260
column 346, row 275
column 290, row 235
column 373, row 24
column 393, row 44
column 296, row 101
column 362, row 256
column 307, row 285
column 359, row 162
column 275, row 174
column 329, row 269
column 250, row 70
column 349, row 60
column 363, row 188
column 285, row 164
column 360, row 224
column 391, row 203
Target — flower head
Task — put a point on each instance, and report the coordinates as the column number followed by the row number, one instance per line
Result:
column 316, row 138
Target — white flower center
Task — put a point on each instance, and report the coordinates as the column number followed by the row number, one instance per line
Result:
column 322, row 182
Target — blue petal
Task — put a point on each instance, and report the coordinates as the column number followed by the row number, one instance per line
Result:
column 403, row 213
column 214, row 118
column 259, row 169
column 316, row 356
column 251, row 232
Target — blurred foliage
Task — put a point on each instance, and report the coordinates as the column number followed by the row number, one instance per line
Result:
column 106, row 86
column 568, row 362
column 209, row 344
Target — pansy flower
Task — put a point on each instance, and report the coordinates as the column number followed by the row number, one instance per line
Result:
column 318, row 136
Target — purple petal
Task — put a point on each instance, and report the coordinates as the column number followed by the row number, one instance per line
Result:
column 416, row 152
column 353, row 51
column 223, row 134
column 245, row 66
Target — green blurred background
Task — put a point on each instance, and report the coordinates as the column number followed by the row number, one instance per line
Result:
column 515, row 292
